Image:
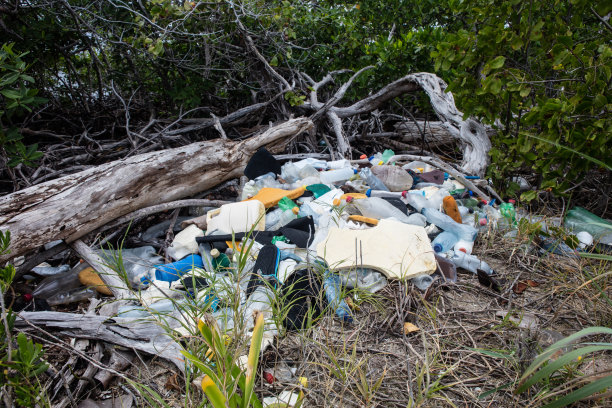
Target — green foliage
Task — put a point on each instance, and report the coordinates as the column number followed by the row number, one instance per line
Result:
column 17, row 98
column 555, row 358
column 20, row 366
column 534, row 68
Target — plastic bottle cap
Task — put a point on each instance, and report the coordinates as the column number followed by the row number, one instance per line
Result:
column 512, row 201
column 28, row 297
column 437, row 247
column 380, row 163
column 404, row 193
column 336, row 202
column 215, row 253
column 463, row 250
column 369, row 192
column 363, row 156
column 370, row 158
column 295, row 210
column 482, row 221
column 355, row 171
column 349, row 199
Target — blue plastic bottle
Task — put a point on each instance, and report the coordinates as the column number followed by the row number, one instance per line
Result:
column 173, row 271
column 444, row 241
column 332, row 286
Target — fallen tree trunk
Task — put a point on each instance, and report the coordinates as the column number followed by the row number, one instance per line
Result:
column 74, row 205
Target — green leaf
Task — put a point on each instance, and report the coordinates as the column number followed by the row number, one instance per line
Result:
column 497, row 62
column 582, row 393
column 11, row 93
column 524, row 92
column 529, row 195
column 495, row 86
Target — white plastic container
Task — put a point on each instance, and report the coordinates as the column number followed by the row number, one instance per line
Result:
column 464, row 246
column 184, row 243
column 236, row 217
column 336, row 176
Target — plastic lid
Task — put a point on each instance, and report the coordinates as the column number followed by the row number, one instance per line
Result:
column 355, row 171
column 363, row 156
column 482, row 221
column 437, row 247
column 512, row 201
column 337, row 201
column 463, row 250
column 215, row 253
column 369, row 192
column 295, row 210
column 404, row 193
column 349, row 199
column 370, row 158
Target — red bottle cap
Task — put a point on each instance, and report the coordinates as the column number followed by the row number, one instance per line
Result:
column 463, row 250
column 28, row 297
column 349, row 199
column 512, row 201
column 482, row 221
column 363, row 156
column 268, row 377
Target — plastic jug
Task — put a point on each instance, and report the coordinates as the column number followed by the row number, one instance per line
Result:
column 184, row 242
column 237, row 217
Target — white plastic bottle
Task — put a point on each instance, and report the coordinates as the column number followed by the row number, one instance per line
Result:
column 337, row 176
column 376, row 207
column 470, row 263
column 464, row 246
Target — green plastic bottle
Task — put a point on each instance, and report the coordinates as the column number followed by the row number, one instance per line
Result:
column 508, row 211
column 286, row 204
column 579, row 219
column 221, row 262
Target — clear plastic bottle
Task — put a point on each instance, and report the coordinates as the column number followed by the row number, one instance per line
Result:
column 337, row 176
column 376, row 207
column 470, row 263
column 338, row 164
column 333, row 293
column 444, row 241
column 70, row 296
column 290, row 173
column 373, row 181
column 416, row 199
column 445, row 222
column 63, row 282
column 284, row 217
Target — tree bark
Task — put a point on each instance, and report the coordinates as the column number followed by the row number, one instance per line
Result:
column 74, row 205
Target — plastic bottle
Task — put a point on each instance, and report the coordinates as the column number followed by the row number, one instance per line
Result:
column 337, row 176
column 387, row 154
column 380, row 193
column 470, row 263
column 306, row 210
column 373, row 181
column 290, row 173
column 338, row 164
column 376, row 160
column 333, row 293
column 464, row 246
column 50, row 270
column 286, row 203
column 308, row 171
column 416, row 199
column 579, row 219
column 358, row 185
column 444, row 241
column 376, row 207
column 451, row 209
column 173, row 271
column 508, row 212
column 423, row 282
column 71, row 296
column 63, row 282
column 445, row 222
column 221, row 262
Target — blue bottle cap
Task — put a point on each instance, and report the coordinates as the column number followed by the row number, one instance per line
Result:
column 355, row 171
column 437, row 247
column 369, row 192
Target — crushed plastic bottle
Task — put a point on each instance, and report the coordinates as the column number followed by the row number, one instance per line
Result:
column 71, row 296
column 333, row 292
column 578, row 219
column 445, row 222
column 376, row 207
column 337, row 176
column 374, row 182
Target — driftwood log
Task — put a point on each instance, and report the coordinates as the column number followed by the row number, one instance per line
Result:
column 471, row 134
column 137, row 334
column 74, row 205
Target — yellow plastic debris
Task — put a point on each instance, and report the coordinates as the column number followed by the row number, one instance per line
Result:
column 89, row 277
column 271, row 196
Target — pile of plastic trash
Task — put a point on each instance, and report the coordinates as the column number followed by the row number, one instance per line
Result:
column 304, row 231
